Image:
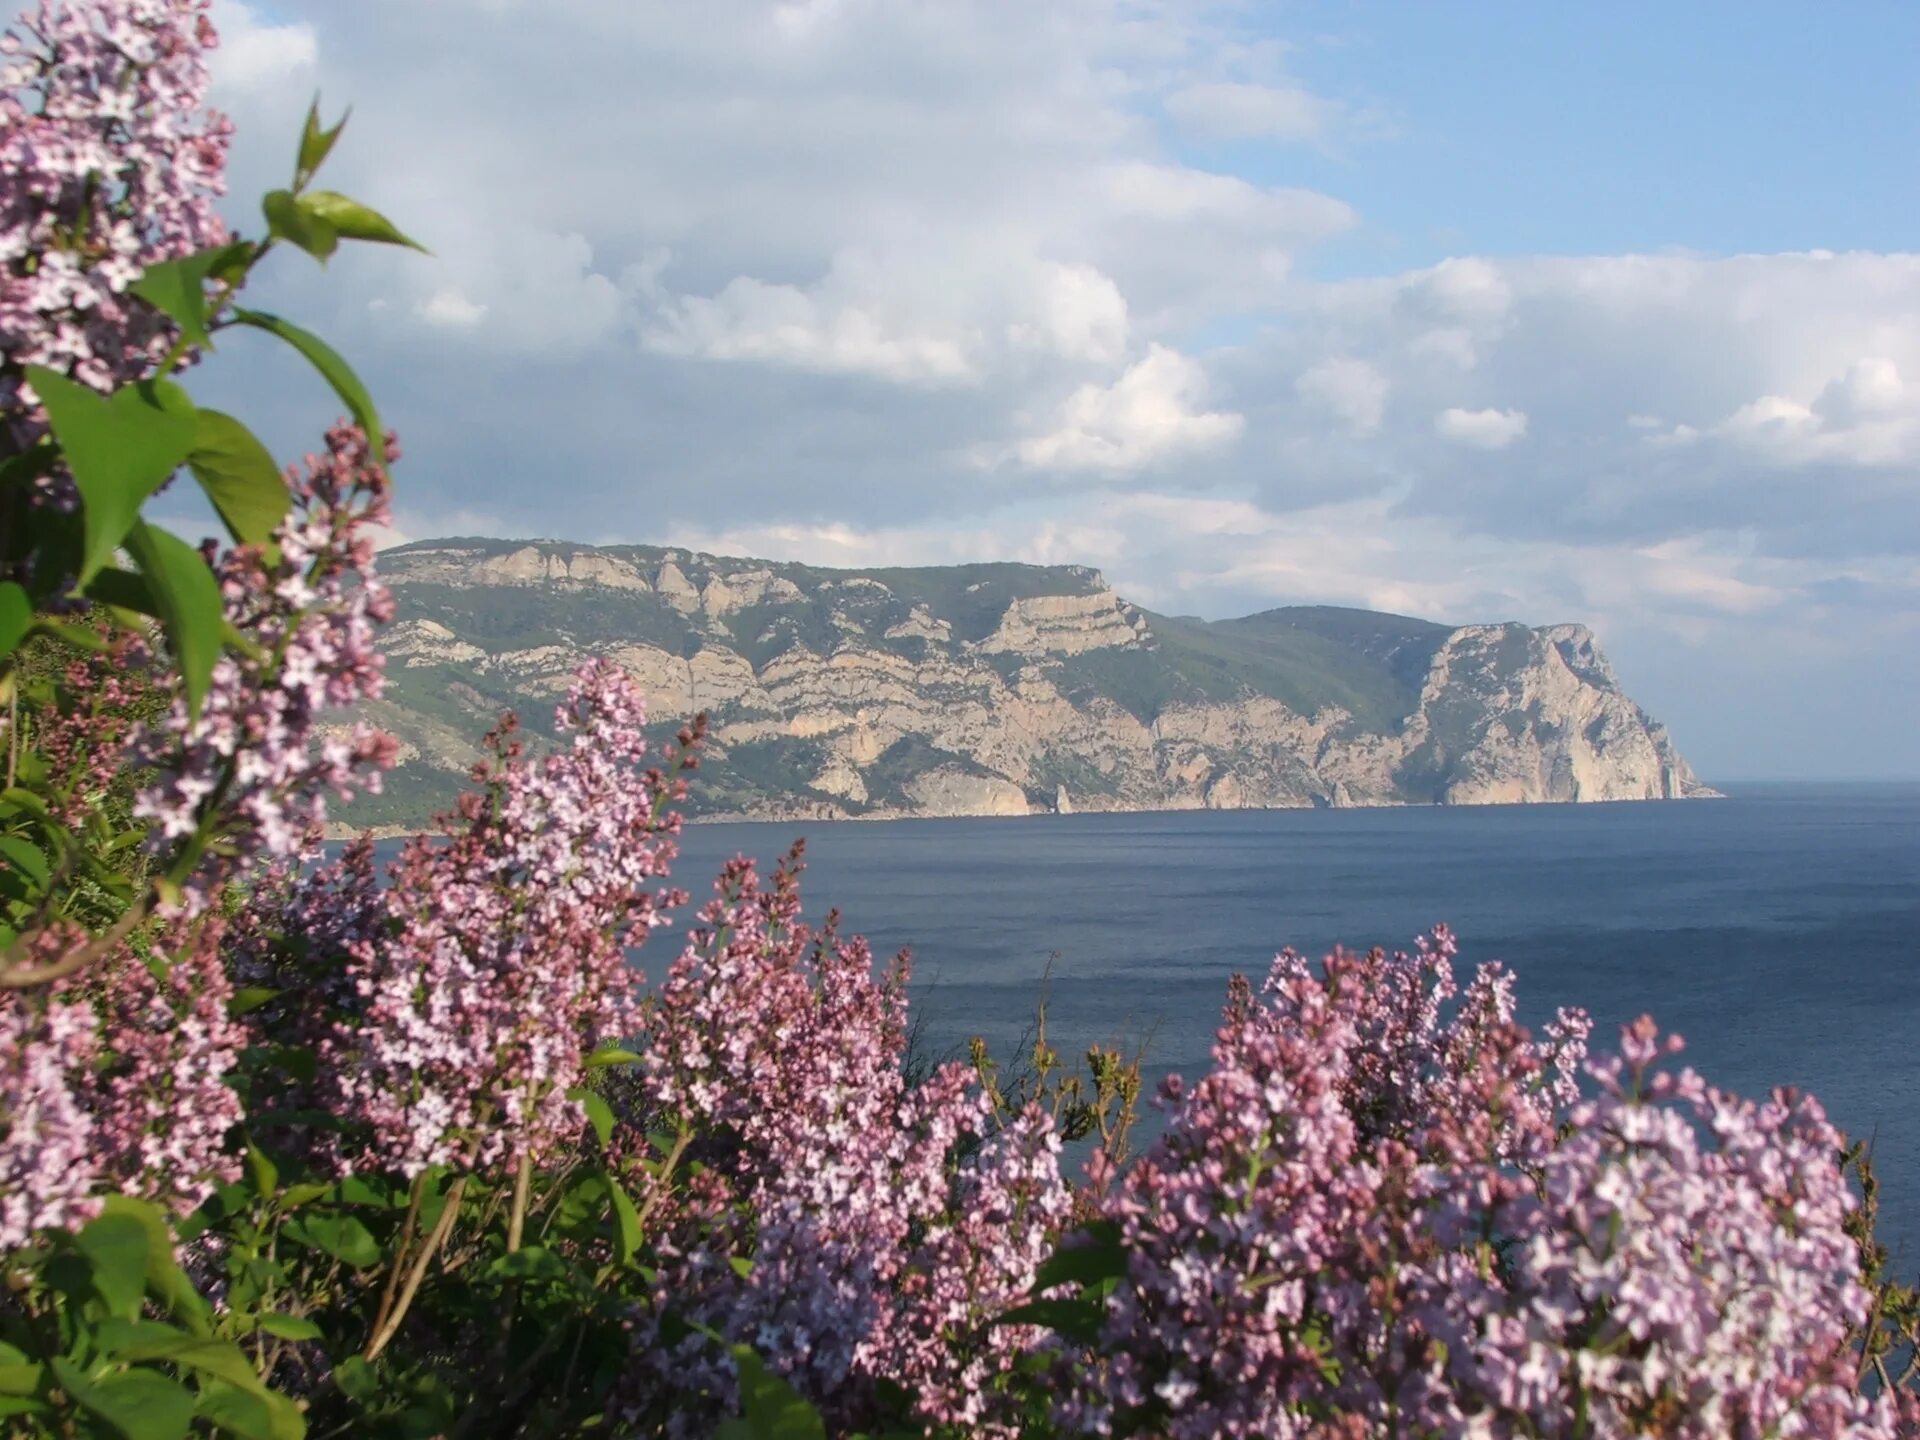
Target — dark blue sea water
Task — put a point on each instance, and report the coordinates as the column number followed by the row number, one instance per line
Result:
column 1778, row 930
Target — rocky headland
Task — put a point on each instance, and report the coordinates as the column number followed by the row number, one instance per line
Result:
column 997, row 690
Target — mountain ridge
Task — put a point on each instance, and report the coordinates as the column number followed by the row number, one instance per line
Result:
column 996, row 688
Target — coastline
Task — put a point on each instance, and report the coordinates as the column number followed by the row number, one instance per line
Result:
column 336, row 831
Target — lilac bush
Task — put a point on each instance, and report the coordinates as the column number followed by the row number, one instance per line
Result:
column 1365, row 1217
column 249, row 773
column 773, row 1055
column 111, row 162
column 499, row 964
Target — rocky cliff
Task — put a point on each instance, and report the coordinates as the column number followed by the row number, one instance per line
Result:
column 999, row 689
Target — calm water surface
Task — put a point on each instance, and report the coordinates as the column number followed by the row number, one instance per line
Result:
column 1778, row 931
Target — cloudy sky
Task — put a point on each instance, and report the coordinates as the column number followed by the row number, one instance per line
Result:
column 1475, row 311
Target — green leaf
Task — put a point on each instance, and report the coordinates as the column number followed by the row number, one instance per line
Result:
column 340, row 1236
column 286, row 220
column 20, row 1378
column 250, row 998
column 298, row 1195
column 178, row 288
column 233, row 1410
column 212, row 1357
column 533, row 1262
column 116, row 1248
column 116, row 1339
column 239, row 476
column 327, row 361
column 123, row 590
column 251, row 1414
column 1098, row 1255
column 1076, row 1319
column 188, row 598
column 266, row 1174
column 25, row 856
column 315, row 145
column 626, row 1220
column 137, row 1404
column 166, row 1281
column 611, row 1055
column 15, row 798
column 356, row 221
column 289, row 1327
column 16, row 616
column 356, row 1380
column 598, row 1112
column 120, row 448
column 771, row 1408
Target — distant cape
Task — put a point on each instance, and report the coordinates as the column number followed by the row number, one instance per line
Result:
column 996, row 689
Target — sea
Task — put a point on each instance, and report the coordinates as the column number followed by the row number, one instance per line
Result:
column 1776, row 930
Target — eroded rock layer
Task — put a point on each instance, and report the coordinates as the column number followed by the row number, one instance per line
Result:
column 1000, row 689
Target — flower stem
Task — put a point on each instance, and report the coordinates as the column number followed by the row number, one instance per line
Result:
column 442, row 1228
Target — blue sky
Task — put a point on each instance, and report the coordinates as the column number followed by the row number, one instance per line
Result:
column 1575, row 129
column 1549, row 312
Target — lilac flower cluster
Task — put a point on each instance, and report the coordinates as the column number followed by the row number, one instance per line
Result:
column 111, row 163
column 498, row 961
column 158, row 1092
column 1368, row 1220
column 46, row 1149
column 845, row 1244
column 249, row 775
column 118, row 1083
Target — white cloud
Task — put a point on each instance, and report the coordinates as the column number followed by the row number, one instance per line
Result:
column 450, row 309
column 1238, row 110
column 1351, row 390
column 1148, row 415
column 1080, row 314
column 1482, row 429
column 256, row 55
column 1866, row 416
column 782, row 324
column 1179, row 194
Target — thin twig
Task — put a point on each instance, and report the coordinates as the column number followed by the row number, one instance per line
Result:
column 400, row 1255
column 24, row 977
column 13, row 732
column 442, row 1228
column 517, row 1217
column 666, row 1172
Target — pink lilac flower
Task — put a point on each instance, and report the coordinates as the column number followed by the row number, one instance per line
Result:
column 116, row 1082
column 108, row 162
column 780, row 1050
column 1371, row 1219
column 159, row 1097
column 975, row 1262
column 252, row 764
column 502, row 960
column 48, row 1168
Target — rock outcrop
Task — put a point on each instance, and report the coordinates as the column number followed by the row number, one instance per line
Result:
column 1001, row 689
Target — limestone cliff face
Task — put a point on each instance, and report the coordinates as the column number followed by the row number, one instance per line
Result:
column 1003, row 689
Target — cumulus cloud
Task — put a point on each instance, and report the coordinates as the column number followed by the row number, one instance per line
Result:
column 1150, row 414
column 451, row 309
column 1352, row 391
column 1240, row 110
column 256, row 55
column 782, row 324
column 1482, row 429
